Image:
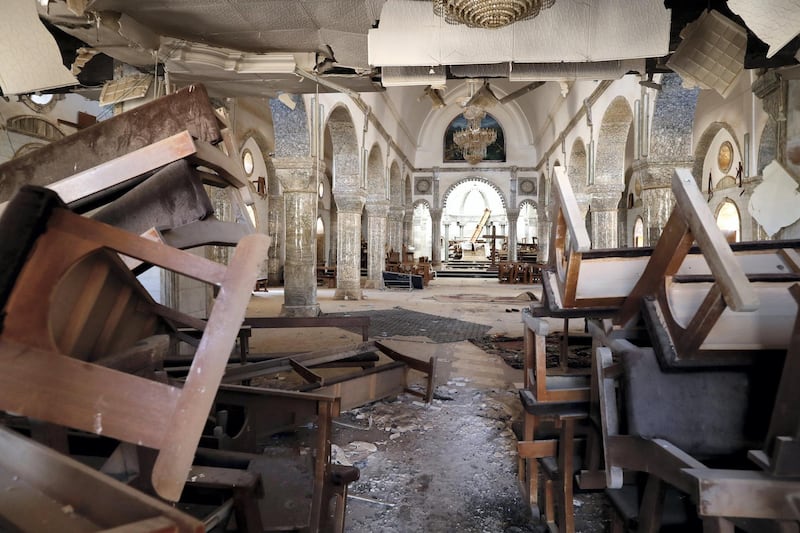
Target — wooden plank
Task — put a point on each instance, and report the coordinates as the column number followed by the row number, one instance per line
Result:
column 188, row 419
column 369, row 386
column 118, row 171
column 344, row 322
column 306, row 373
column 212, row 157
column 579, row 237
column 70, row 225
column 158, row 524
column 741, row 493
column 704, row 319
column 186, row 110
column 736, row 290
column 113, row 319
column 669, row 253
column 537, row 448
column 92, row 494
column 82, row 307
column 412, row 362
column 66, row 391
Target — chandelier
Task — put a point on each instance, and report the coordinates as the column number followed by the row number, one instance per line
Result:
column 488, row 13
column 473, row 140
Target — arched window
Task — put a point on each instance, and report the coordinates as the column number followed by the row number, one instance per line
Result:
column 638, row 233
column 494, row 152
column 729, row 221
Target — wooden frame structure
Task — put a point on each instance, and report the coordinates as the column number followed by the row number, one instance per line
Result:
column 42, row 379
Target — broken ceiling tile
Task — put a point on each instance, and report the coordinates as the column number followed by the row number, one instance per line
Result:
column 776, row 22
column 711, row 54
column 30, row 60
column 123, row 89
column 775, row 203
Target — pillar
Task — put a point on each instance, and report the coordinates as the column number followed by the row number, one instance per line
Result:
column 395, row 231
column 348, row 252
column 605, row 215
column 275, row 229
column 298, row 176
column 377, row 211
column 513, row 216
column 436, row 237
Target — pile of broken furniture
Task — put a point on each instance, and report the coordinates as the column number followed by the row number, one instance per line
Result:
column 96, row 433
column 689, row 417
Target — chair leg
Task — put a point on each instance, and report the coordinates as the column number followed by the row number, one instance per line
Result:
column 652, row 506
column 566, row 518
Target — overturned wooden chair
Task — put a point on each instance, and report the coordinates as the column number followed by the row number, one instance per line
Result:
column 68, row 303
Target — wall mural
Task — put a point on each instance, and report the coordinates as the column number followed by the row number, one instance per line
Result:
column 494, row 152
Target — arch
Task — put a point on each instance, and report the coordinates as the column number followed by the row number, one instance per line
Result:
column 494, row 152
column 395, row 185
column 344, row 145
column 292, row 138
column 704, row 144
column 27, row 148
column 421, row 225
column 638, row 232
column 34, row 126
column 578, row 169
column 527, row 222
column 673, row 120
column 475, row 179
column 729, row 220
column 612, row 142
column 376, row 181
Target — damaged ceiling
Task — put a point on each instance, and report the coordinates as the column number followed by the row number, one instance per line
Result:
column 256, row 47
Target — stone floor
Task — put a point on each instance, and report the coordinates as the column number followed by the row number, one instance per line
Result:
column 449, row 466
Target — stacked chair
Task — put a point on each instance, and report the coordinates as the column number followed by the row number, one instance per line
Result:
column 94, row 434
column 692, row 420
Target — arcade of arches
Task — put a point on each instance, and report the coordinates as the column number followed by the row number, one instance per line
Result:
column 338, row 187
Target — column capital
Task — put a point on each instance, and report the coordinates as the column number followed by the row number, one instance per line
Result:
column 349, row 202
column 298, row 173
column 377, row 207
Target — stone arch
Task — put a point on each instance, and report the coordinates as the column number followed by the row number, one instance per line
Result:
column 496, row 151
column 578, row 170
column 421, row 225
column 612, row 143
column 395, row 185
column 478, row 179
column 703, row 145
column 528, row 212
column 768, row 145
column 729, row 218
column 34, row 126
column 344, row 144
column 424, row 203
column 376, row 181
column 408, row 192
column 673, row 121
column 292, row 137
column 27, row 148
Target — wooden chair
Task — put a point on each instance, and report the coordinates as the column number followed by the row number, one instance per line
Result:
column 67, row 300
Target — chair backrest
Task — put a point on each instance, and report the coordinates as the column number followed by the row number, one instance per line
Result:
column 42, row 380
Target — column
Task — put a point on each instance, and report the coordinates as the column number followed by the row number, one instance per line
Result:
column 377, row 211
column 275, row 229
column 446, row 251
column 605, row 215
column 436, row 237
column 298, row 176
column 395, row 231
column 348, row 252
column 513, row 216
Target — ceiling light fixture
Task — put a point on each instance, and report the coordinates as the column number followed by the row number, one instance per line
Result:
column 473, row 140
column 488, row 13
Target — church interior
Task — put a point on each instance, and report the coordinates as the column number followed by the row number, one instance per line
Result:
column 205, row 205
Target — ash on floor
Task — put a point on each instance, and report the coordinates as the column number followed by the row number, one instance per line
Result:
column 447, row 467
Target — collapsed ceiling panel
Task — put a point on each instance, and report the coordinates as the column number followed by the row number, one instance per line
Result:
column 568, row 31
column 29, row 56
column 776, row 22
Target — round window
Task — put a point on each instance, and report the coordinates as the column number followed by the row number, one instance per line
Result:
column 247, row 161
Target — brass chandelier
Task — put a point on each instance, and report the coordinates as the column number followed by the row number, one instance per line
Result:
column 488, row 13
column 473, row 140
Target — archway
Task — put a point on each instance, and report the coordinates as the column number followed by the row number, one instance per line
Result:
column 377, row 207
column 729, row 221
column 474, row 209
column 638, row 233
column 348, row 202
column 421, row 229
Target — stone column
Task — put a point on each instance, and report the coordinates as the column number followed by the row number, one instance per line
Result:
column 513, row 216
column 348, row 252
column 298, row 177
column 605, row 215
column 446, row 250
column 395, row 233
column 376, row 241
column 543, row 233
column 436, row 237
column 275, row 225
column 408, row 225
